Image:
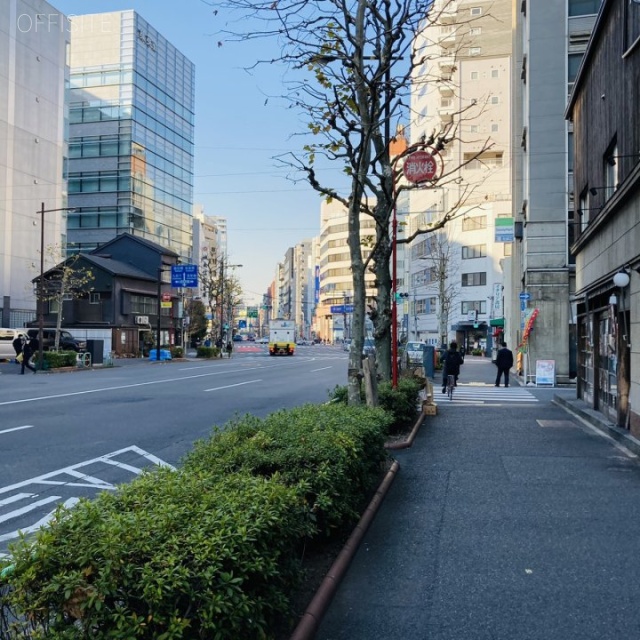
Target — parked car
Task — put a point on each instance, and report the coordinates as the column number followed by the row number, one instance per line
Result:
column 369, row 347
column 7, row 336
column 66, row 343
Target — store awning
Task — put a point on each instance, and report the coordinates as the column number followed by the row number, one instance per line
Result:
column 496, row 322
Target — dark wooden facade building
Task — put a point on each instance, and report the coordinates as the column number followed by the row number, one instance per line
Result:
column 605, row 110
column 123, row 295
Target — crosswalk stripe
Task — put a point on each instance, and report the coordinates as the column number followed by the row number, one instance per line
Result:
column 485, row 395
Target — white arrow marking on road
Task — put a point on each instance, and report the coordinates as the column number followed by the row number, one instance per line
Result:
column 41, row 523
column 322, row 369
column 229, row 386
column 26, row 426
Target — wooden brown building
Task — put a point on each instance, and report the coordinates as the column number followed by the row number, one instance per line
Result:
column 605, row 110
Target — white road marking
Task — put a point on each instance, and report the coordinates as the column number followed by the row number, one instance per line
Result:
column 41, row 523
column 16, row 498
column 321, row 369
column 26, row 426
column 27, row 508
column 142, row 384
column 229, row 386
column 47, row 476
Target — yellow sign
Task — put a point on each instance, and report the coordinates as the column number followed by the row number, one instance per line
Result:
column 166, row 305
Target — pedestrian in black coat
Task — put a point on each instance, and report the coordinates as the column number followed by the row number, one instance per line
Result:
column 29, row 349
column 504, row 362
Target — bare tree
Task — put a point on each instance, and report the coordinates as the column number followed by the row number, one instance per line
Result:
column 220, row 288
column 351, row 67
column 67, row 281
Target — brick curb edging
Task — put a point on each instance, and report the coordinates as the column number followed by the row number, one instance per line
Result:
column 405, row 444
column 310, row 621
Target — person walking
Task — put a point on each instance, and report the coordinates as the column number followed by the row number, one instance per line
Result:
column 452, row 361
column 29, row 349
column 229, row 348
column 18, row 344
column 504, row 362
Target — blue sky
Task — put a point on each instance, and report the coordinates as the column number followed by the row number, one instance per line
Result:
column 237, row 135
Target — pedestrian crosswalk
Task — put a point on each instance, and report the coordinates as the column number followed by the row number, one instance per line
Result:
column 487, row 395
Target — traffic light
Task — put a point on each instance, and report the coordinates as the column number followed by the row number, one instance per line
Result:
column 400, row 296
column 475, row 322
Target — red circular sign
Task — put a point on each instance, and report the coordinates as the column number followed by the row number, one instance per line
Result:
column 420, row 166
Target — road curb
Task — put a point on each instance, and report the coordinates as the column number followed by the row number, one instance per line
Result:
column 580, row 410
column 312, row 617
column 405, row 444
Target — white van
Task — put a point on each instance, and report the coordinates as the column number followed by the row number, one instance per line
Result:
column 7, row 336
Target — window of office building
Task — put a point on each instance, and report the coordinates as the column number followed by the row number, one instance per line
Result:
column 574, row 60
column 425, row 306
column 474, row 251
column 584, row 7
column 474, row 223
column 473, row 305
column 474, row 279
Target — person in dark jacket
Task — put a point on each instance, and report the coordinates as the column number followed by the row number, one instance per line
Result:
column 504, row 362
column 18, row 343
column 451, row 361
column 29, row 349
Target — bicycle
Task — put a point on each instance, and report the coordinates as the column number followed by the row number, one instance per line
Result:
column 451, row 383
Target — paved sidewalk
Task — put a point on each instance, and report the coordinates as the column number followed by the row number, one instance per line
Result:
column 508, row 520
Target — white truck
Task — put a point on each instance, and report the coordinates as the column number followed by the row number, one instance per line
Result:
column 282, row 337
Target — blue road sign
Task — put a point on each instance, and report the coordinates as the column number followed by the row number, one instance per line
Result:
column 341, row 308
column 184, row 275
column 525, row 296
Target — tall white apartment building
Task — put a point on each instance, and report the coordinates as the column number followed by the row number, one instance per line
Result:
column 335, row 296
column 462, row 91
column 34, row 41
column 549, row 42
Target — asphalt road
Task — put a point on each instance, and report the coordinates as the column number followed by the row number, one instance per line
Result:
column 67, row 435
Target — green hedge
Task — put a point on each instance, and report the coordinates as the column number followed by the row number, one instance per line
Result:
column 402, row 401
column 210, row 551
column 57, row 359
column 207, row 352
column 331, row 453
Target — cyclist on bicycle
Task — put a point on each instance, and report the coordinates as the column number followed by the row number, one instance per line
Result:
column 451, row 360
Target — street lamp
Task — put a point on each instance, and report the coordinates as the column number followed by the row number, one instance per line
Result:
column 230, row 266
column 41, row 284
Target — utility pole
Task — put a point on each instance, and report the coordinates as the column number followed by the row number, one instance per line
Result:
column 444, row 303
column 222, row 300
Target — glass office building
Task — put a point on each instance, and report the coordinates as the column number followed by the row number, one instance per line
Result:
column 131, row 138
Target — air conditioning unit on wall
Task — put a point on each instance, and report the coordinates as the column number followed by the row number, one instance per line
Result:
column 142, row 319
